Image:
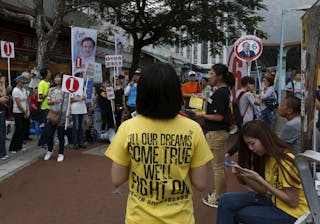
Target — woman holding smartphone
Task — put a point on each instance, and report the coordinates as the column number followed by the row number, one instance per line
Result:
column 266, row 166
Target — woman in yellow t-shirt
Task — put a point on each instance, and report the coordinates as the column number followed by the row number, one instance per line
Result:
column 161, row 153
column 266, row 166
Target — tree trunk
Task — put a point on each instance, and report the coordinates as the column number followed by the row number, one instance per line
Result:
column 137, row 48
column 309, row 61
column 42, row 54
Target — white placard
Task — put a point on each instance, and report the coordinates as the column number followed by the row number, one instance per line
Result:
column 113, row 61
column 110, row 93
column 7, row 49
column 71, row 84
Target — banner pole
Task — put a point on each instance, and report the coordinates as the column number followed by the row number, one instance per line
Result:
column 9, row 75
column 68, row 114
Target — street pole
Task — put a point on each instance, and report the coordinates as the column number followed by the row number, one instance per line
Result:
column 281, row 73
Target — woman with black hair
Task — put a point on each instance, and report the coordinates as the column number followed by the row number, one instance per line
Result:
column 217, row 123
column 266, row 166
column 267, row 93
column 160, row 152
column 58, row 101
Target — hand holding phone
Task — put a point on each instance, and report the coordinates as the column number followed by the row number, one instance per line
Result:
column 228, row 162
column 232, row 164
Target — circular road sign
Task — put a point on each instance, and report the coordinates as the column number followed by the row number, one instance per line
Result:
column 248, row 48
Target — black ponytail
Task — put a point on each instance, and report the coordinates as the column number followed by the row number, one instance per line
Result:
column 222, row 70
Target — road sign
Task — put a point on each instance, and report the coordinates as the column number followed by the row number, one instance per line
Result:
column 248, row 48
column 113, row 61
column 71, row 84
column 7, row 49
column 78, row 62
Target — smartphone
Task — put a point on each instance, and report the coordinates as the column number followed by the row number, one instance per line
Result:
column 228, row 162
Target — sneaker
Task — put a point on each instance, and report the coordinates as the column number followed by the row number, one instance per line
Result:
column 47, row 156
column 24, row 149
column 44, row 147
column 233, row 129
column 4, row 157
column 211, row 200
column 13, row 152
column 60, row 158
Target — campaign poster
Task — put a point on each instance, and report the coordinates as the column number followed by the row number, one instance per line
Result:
column 238, row 67
column 119, row 44
column 248, row 48
column 83, row 48
column 93, row 72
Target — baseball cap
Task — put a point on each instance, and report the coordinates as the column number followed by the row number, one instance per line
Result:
column 191, row 73
column 22, row 79
column 137, row 71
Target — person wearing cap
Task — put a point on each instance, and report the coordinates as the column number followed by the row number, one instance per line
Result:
column 3, row 101
column 267, row 92
column 21, row 112
column 189, row 88
column 131, row 92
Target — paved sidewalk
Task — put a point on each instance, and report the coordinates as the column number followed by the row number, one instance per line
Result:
column 20, row 160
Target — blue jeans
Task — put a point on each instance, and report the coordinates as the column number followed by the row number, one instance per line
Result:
column 2, row 133
column 78, row 129
column 247, row 208
column 267, row 116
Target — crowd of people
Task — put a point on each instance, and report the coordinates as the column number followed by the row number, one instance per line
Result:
column 47, row 106
column 162, row 153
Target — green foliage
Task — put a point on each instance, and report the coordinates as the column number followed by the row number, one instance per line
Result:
column 182, row 22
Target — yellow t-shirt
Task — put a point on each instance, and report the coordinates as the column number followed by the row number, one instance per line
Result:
column 43, row 88
column 159, row 154
column 271, row 172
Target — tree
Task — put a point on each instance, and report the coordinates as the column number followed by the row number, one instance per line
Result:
column 47, row 31
column 180, row 22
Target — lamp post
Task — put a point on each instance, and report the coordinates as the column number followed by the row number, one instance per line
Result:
column 281, row 68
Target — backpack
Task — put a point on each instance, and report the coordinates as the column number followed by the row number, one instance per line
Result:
column 236, row 116
column 272, row 103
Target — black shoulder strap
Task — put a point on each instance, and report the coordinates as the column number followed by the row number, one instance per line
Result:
column 240, row 95
column 292, row 84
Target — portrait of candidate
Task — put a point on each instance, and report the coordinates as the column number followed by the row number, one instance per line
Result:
column 246, row 52
column 87, row 50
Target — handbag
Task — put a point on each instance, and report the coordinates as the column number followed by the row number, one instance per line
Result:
column 53, row 115
column 272, row 103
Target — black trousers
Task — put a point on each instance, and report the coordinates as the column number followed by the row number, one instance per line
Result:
column 19, row 132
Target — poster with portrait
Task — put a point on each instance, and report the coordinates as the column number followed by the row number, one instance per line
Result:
column 248, row 48
column 119, row 44
column 238, row 67
column 83, row 48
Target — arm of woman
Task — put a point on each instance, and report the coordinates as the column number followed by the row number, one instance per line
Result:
column 289, row 195
column 212, row 117
column 253, row 184
column 119, row 174
column 198, row 176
